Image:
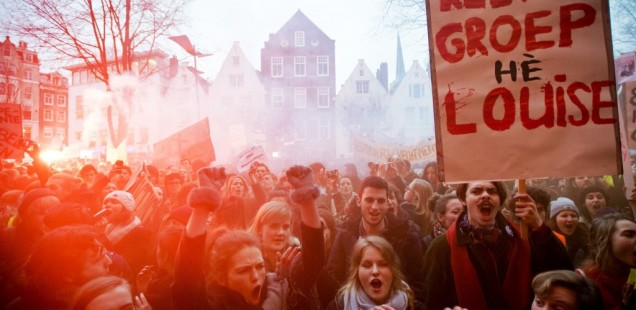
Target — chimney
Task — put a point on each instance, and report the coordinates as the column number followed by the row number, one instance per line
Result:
column 22, row 44
column 174, row 66
column 382, row 75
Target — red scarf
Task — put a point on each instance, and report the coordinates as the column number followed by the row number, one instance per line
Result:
column 467, row 285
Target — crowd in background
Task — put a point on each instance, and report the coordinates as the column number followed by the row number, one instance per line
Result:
column 310, row 237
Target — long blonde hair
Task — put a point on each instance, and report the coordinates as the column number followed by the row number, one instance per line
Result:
column 423, row 191
column 391, row 258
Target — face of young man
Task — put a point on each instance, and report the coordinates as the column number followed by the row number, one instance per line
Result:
column 117, row 211
column 373, row 206
column 482, row 203
column 594, row 201
column 624, row 243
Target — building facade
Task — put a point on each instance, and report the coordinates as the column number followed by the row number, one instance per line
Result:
column 19, row 80
column 298, row 71
column 53, row 105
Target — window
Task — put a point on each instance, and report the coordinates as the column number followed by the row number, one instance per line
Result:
column 28, row 57
column 324, row 129
column 322, row 63
column 76, row 78
column 323, row 97
column 301, row 130
column 362, row 87
column 28, row 92
column 299, row 66
column 416, row 90
column 47, row 132
column 79, row 107
column 236, row 80
column 28, row 75
column 299, row 38
column 236, row 61
column 27, row 113
column 60, row 101
column 277, row 66
column 48, row 115
column 27, row 132
column 59, row 132
column 277, row 97
column 3, row 88
column 300, row 97
column 7, row 52
column 48, row 99
column 56, row 81
column 60, row 116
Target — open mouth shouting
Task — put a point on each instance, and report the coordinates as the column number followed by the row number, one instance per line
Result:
column 376, row 284
column 255, row 295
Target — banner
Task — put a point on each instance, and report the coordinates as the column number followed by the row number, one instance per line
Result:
column 11, row 132
column 368, row 150
column 523, row 89
column 192, row 143
column 247, row 157
column 625, row 68
column 148, row 204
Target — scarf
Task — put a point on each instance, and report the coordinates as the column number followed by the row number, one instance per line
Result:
column 115, row 233
column 359, row 300
column 467, row 283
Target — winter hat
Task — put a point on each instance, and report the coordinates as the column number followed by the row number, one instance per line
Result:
column 125, row 198
column 562, row 204
column 33, row 195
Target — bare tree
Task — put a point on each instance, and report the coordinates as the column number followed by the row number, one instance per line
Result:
column 103, row 34
column 623, row 17
column 405, row 14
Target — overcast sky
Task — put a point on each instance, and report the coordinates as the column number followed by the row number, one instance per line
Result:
column 355, row 25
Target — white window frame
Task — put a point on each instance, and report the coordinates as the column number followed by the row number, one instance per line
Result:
column 362, row 87
column 322, row 65
column 60, row 116
column 28, row 75
column 277, row 97
column 300, row 66
column 236, row 61
column 277, row 66
column 299, row 38
column 322, row 97
column 47, row 115
column 416, row 90
column 28, row 92
column 236, row 80
column 48, row 99
column 60, row 100
column 47, row 132
column 300, row 98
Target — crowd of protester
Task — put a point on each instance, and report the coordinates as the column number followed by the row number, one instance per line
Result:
column 384, row 236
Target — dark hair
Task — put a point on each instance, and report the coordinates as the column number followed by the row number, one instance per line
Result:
column 330, row 221
column 173, row 176
column 374, row 182
column 601, row 235
column 94, row 288
column 438, row 202
column 87, row 168
column 67, row 213
column 593, row 189
column 502, row 191
column 587, row 294
column 168, row 241
column 540, row 195
column 182, row 194
column 60, row 254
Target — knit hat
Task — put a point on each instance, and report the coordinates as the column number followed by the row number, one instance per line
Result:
column 125, row 198
column 562, row 204
column 31, row 196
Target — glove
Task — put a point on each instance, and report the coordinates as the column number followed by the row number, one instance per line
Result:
column 211, row 177
column 302, row 179
column 206, row 198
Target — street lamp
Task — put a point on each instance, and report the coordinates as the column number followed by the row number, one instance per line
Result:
column 184, row 42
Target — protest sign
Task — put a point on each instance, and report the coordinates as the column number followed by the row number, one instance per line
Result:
column 365, row 149
column 629, row 106
column 247, row 157
column 11, row 132
column 192, row 143
column 147, row 202
column 523, row 89
column 625, row 68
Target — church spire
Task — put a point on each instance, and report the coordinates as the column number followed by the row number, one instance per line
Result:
column 399, row 66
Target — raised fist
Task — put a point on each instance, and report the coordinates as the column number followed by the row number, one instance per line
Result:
column 300, row 176
column 206, row 198
column 211, row 177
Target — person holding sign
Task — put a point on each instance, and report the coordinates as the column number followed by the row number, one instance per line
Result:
column 482, row 262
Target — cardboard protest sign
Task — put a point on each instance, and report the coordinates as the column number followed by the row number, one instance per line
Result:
column 523, row 89
column 629, row 106
column 192, row 143
column 147, row 202
column 247, row 157
column 11, row 132
column 625, row 68
column 366, row 149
